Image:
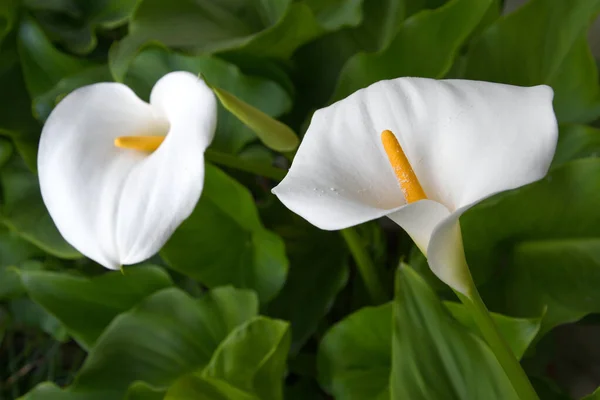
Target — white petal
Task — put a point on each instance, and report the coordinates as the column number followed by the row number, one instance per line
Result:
column 340, row 175
column 420, row 219
column 446, row 255
column 464, row 139
column 164, row 188
column 119, row 206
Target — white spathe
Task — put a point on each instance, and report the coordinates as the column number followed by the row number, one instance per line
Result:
column 466, row 140
column 119, row 206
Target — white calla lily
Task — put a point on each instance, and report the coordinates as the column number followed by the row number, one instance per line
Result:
column 118, row 175
column 464, row 140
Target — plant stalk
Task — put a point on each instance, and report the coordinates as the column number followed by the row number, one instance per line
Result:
column 365, row 266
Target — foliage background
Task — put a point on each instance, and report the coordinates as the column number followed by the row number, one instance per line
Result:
column 248, row 301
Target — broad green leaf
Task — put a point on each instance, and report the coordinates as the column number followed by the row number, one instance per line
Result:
column 11, row 286
column 74, row 22
column 354, row 360
column 576, row 141
column 8, row 16
column 335, row 14
column 270, row 28
column 223, row 241
column 203, row 26
column 538, row 247
column 85, row 306
column 543, row 42
column 23, row 211
column 518, row 332
column 593, row 396
column 43, row 65
column 274, row 134
column 355, row 356
column 432, row 356
column 318, row 271
column 319, row 62
column 249, row 364
column 142, row 391
column 16, row 120
column 232, row 134
column 168, row 335
column 425, row 45
column 26, row 313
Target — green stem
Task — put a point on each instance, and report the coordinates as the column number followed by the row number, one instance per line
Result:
column 231, row 161
column 497, row 344
column 365, row 266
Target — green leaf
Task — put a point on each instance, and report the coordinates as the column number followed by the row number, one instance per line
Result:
column 354, row 359
column 550, row 36
column 203, row 26
column 8, row 16
column 270, row 28
column 43, row 65
column 249, row 364
column 23, row 211
column 320, row 61
column 544, row 249
column 274, row 134
column 16, row 120
column 74, row 22
column 168, row 335
column 318, row 271
column 355, row 356
column 232, row 134
column 432, row 356
column 85, row 306
column 223, row 241
column 518, row 332
column 575, row 142
column 11, row 286
column 426, row 44
column 593, row 396
column 28, row 314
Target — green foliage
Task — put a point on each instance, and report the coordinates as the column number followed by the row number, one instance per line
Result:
column 223, row 241
column 415, row 347
column 246, row 300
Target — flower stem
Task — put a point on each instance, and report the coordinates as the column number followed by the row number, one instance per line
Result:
column 365, row 266
column 231, row 161
column 511, row 366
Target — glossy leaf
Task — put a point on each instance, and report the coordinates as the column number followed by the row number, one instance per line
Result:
column 575, row 142
column 320, row 61
column 43, row 65
column 168, row 335
column 355, row 355
column 16, row 119
column 318, row 271
column 223, row 241
column 544, row 246
column 433, row 357
column 426, row 44
column 550, row 35
column 75, row 22
column 272, row 28
column 86, row 306
column 519, row 333
column 274, row 134
column 23, row 211
column 249, row 364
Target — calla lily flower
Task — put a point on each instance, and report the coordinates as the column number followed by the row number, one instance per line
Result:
column 421, row 152
column 118, row 175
